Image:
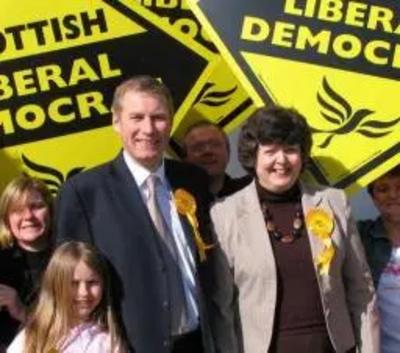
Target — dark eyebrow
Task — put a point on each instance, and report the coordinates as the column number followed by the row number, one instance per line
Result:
column 160, row 114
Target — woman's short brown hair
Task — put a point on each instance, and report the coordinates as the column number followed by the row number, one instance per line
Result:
column 273, row 125
column 394, row 172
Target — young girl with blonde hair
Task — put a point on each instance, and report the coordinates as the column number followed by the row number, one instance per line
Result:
column 74, row 311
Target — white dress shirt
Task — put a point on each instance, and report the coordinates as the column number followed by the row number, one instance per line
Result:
column 186, row 257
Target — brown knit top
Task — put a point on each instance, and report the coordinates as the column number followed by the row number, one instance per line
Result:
column 299, row 319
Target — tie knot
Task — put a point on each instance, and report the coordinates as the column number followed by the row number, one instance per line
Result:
column 152, row 181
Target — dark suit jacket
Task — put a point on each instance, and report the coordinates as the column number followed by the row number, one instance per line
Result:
column 103, row 206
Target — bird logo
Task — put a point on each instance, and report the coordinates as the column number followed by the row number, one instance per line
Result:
column 50, row 176
column 213, row 98
column 336, row 110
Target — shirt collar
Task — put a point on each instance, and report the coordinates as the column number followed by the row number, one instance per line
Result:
column 378, row 229
column 140, row 173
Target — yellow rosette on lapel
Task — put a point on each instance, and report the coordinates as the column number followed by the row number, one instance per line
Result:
column 320, row 224
column 186, row 205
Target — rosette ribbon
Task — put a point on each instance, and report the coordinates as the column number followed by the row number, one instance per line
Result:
column 186, row 205
column 320, row 224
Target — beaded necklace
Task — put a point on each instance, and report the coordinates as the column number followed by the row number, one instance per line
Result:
column 292, row 195
column 297, row 227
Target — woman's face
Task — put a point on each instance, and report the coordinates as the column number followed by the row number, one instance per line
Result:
column 278, row 166
column 386, row 195
column 29, row 222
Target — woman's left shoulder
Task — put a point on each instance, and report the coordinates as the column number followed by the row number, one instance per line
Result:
column 231, row 203
column 323, row 191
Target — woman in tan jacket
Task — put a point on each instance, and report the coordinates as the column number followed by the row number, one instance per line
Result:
column 293, row 272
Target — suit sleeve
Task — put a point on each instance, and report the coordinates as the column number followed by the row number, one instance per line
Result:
column 224, row 322
column 360, row 292
column 71, row 220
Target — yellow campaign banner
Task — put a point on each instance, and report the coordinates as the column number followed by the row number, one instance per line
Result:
column 222, row 99
column 59, row 68
column 336, row 61
column 177, row 13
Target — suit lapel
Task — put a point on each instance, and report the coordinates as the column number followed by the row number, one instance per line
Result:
column 137, row 219
column 252, row 224
column 175, row 181
column 312, row 199
column 316, row 198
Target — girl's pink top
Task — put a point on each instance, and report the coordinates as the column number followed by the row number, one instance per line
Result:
column 84, row 338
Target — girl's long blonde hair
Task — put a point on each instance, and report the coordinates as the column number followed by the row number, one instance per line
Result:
column 52, row 318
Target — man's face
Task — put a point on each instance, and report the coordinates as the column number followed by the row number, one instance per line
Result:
column 144, row 124
column 206, row 146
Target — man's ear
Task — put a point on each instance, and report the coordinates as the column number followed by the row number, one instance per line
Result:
column 116, row 122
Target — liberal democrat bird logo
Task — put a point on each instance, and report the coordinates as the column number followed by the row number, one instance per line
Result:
column 211, row 97
column 52, row 177
column 337, row 110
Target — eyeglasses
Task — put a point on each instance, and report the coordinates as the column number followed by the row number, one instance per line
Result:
column 202, row 146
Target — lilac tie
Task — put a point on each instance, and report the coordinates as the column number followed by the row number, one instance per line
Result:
column 154, row 208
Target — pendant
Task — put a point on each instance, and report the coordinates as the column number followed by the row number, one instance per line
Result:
column 287, row 239
column 276, row 234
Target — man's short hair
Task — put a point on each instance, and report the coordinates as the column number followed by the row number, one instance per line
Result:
column 145, row 84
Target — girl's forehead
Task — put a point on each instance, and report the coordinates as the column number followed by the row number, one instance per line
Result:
column 83, row 269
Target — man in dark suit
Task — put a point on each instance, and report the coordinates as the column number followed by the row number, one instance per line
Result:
column 146, row 214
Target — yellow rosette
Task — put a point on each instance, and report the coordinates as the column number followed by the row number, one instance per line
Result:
column 186, row 205
column 320, row 224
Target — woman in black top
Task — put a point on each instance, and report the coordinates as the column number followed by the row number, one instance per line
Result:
column 25, row 223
